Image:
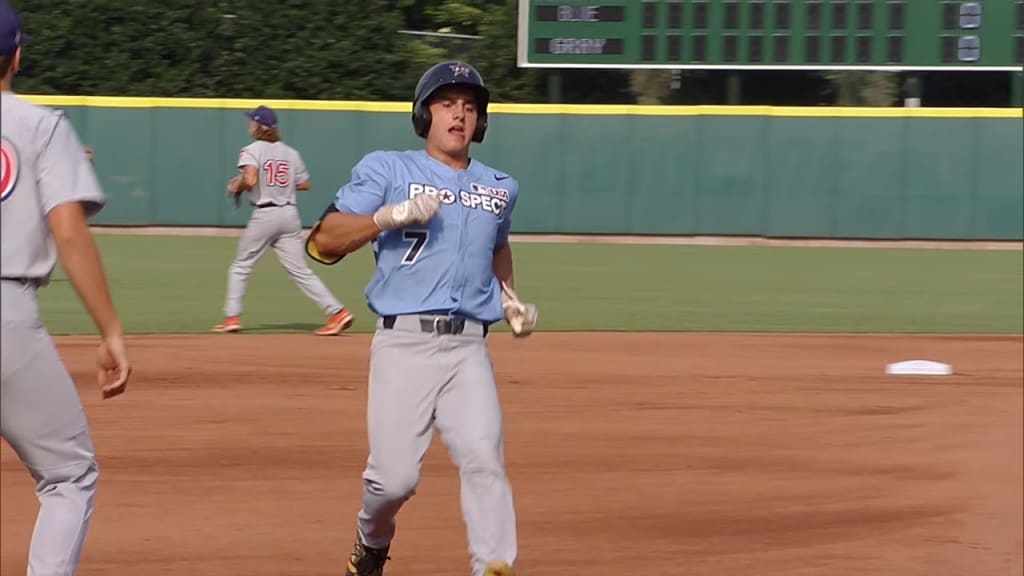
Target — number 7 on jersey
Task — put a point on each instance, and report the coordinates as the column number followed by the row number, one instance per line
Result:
column 419, row 240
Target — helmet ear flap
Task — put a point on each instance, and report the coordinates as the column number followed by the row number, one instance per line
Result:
column 421, row 120
column 481, row 128
column 421, row 124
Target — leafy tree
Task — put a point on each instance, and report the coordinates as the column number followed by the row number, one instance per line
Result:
column 222, row 48
column 864, row 88
column 495, row 56
column 362, row 49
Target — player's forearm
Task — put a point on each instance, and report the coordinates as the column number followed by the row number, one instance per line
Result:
column 502, row 265
column 249, row 177
column 341, row 233
column 81, row 262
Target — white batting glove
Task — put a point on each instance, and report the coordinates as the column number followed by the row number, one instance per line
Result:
column 416, row 210
column 520, row 316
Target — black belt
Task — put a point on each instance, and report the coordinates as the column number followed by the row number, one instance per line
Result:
column 34, row 282
column 269, row 205
column 446, row 325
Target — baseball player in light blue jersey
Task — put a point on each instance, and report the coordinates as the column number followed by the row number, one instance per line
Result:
column 272, row 172
column 439, row 222
column 47, row 191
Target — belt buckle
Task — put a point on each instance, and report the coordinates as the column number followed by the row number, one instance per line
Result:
column 447, row 325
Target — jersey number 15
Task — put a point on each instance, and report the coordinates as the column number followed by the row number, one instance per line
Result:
column 277, row 173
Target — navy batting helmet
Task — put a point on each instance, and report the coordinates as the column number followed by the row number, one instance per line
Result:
column 448, row 74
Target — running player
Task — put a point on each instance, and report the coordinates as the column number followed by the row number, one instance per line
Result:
column 439, row 222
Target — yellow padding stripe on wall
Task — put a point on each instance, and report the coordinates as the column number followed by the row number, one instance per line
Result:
column 586, row 109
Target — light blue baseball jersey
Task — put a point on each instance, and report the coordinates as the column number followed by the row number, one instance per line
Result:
column 446, row 264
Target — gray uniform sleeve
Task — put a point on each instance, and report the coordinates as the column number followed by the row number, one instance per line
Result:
column 64, row 172
column 301, row 173
column 247, row 157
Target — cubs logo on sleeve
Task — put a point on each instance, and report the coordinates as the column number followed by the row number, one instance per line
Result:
column 8, row 168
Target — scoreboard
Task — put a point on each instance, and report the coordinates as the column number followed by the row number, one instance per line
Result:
column 773, row 34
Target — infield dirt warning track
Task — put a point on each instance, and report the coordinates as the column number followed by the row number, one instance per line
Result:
column 654, row 454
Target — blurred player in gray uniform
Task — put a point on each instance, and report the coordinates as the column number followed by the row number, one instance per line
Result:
column 47, row 191
column 272, row 171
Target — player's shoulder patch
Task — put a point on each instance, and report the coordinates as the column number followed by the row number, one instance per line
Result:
column 9, row 165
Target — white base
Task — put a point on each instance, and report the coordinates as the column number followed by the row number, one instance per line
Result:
column 919, row 368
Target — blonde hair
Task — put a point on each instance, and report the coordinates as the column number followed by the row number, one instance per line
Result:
column 267, row 134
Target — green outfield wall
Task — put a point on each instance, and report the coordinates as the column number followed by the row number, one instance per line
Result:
column 777, row 172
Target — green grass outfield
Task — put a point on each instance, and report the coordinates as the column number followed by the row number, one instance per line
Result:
column 175, row 284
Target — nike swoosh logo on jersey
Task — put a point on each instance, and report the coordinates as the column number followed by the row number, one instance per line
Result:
column 497, row 177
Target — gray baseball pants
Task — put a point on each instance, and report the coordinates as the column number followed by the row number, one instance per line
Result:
column 418, row 381
column 280, row 228
column 41, row 417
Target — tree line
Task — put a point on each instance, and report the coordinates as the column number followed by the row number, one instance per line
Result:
column 369, row 50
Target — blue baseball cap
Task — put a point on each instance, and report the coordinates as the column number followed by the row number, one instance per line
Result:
column 11, row 35
column 264, row 116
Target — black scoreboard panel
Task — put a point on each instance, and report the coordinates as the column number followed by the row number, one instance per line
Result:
column 780, row 34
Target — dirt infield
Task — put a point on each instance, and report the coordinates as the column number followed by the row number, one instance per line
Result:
column 654, row 454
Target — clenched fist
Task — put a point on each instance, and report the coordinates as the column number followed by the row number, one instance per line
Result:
column 416, row 210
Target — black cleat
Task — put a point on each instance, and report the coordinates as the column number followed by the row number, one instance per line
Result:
column 366, row 561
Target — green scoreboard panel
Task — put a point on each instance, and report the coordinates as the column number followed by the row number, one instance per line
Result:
column 773, row 34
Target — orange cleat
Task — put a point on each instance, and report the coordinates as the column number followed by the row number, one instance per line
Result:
column 336, row 323
column 230, row 324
